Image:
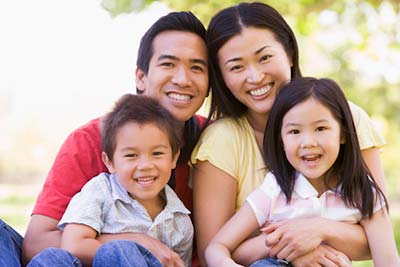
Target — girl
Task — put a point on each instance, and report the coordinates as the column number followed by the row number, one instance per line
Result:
column 316, row 169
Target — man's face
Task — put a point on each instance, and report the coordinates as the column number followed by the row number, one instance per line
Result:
column 178, row 73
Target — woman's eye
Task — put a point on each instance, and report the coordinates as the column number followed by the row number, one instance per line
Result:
column 264, row 58
column 235, row 68
column 294, row 131
column 321, row 128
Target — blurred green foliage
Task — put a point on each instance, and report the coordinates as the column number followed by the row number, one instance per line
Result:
column 355, row 42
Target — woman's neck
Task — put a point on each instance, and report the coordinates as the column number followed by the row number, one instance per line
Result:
column 258, row 122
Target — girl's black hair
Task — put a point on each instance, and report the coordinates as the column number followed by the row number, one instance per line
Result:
column 358, row 187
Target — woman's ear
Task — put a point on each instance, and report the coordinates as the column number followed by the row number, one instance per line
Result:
column 140, row 80
column 107, row 162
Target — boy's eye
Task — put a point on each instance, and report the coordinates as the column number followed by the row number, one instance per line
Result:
column 158, row 153
column 131, row 155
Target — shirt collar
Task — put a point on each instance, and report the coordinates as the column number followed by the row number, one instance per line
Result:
column 304, row 188
column 173, row 203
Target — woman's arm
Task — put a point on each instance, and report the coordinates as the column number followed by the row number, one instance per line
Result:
column 372, row 158
column 214, row 200
column 380, row 237
column 293, row 238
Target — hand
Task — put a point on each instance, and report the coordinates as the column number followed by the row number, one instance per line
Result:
column 292, row 238
column 163, row 253
column 322, row 256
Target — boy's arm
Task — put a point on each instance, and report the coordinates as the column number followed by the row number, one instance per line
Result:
column 380, row 237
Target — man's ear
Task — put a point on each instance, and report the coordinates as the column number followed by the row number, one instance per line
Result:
column 107, row 162
column 140, row 80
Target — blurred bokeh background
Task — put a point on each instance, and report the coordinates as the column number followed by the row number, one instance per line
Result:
column 65, row 62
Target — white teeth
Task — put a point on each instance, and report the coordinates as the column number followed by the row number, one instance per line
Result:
column 145, row 180
column 261, row 91
column 311, row 157
column 179, row 97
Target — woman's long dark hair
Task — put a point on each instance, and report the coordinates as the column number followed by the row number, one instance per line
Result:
column 230, row 22
column 358, row 187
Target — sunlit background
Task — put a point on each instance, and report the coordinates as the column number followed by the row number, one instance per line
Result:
column 63, row 63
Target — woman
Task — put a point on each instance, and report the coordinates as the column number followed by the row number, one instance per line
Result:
column 253, row 53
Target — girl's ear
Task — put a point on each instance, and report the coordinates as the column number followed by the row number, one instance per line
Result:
column 107, row 162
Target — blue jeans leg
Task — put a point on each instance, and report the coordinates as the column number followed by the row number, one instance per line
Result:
column 270, row 262
column 54, row 257
column 10, row 246
column 124, row 253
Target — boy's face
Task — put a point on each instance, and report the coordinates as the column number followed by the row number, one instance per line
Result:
column 142, row 161
column 178, row 73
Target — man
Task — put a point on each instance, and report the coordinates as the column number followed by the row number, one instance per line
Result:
column 172, row 67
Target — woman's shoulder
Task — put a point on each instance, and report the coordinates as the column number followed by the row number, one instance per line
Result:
column 229, row 126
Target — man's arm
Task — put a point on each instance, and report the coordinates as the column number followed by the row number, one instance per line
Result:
column 41, row 233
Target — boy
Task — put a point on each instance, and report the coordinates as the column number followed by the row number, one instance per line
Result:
column 141, row 146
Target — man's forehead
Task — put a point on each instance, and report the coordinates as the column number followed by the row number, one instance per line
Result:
column 179, row 45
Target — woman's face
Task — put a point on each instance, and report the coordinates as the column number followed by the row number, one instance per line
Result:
column 254, row 66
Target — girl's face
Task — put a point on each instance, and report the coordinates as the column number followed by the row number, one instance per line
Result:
column 311, row 138
column 254, row 66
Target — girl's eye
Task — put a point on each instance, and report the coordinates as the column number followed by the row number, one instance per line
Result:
column 294, row 131
column 321, row 128
column 158, row 153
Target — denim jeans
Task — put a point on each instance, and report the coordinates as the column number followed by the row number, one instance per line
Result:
column 112, row 254
column 10, row 246
column 270, row 262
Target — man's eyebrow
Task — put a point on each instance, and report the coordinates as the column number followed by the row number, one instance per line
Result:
column 175, row 58
column 199, row 61
column 166, row 56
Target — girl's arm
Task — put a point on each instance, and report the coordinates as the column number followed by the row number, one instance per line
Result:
column 214, row 200
column 251, row 250
column 234, row 232
column 80, row 240
column 381, row 240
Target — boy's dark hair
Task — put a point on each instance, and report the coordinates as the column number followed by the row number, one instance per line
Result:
column 230, row 22
column 141, row 110
column 175, row 21
column 358, row 187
